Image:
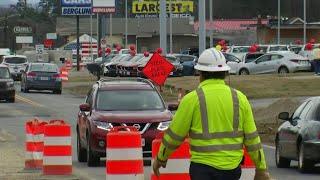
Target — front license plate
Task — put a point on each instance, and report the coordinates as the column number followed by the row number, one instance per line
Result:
column 44, row 78
column 143, row 142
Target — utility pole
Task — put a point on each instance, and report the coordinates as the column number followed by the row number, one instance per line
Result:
column 126, row 44
column 78, row 44
column 202, row 26
column 171, row 39
column 163, row 26
column 279, row 19
column 104, row 34
column 211, row 22
column 5, row 30
column 305, row 21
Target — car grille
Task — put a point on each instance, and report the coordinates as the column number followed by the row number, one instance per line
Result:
column 142, row 127
column 3, row 85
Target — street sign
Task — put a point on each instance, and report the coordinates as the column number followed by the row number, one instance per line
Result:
column 39, row 48
column 48, row 43
column 158, row 69
column 51, row 35
column 103, row 43
column 103, row 6
column 24, row 39
column 76, row 7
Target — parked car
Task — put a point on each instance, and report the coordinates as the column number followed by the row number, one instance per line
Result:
column 16, row 63
column 41, row 76
column 278, row 48
column 188, row 62
column 119, row 102
column 111, row 67
column 281, row 63
column 7, row 90
column 129, row 68
column 238, row 51
column 178, row 67
column 235, row 63
column 191, row 51
column 298, row 138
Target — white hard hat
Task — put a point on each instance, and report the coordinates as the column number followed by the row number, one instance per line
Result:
column 212, row 60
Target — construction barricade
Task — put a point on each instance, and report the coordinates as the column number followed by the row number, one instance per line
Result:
column 57, row 152
column 177, row 165
column 34, row 144
column 124, row 154
column 248, row 168
column 68, row 64
column 64, row 74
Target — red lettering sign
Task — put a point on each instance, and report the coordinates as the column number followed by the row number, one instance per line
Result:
column 157, row 69
column 48, row 43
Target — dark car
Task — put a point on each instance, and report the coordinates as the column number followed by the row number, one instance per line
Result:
column 298, row 138
column 188, row 62
column 41, row 76
column 7, row 90
column 119, row 102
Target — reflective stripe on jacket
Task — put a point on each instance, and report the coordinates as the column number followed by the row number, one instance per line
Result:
column 219, row 123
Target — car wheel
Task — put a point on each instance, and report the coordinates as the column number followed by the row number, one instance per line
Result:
column 244, row 72
column 283, row 70
column 92, row 159
column 280, row 161
column 12, row 99
column 304, row 165
column 57, row 91
column 81, row 152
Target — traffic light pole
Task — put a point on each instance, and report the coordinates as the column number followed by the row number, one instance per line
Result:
column 163, row 26
column 202, row 26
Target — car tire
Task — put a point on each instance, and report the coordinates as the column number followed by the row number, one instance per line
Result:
column 283, row 70
column 244, row 72
column 57, row 91
column 304, row 165
column 81, row 152
column 11, row 100
column 92, row 159
column 281, row 162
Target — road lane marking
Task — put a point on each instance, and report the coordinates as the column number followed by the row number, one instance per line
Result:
column 268, row 146
column 28, row 101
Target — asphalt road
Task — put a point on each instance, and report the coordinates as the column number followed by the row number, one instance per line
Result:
column 49, row 106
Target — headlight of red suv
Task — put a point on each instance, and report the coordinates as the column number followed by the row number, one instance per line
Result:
column 103, row 125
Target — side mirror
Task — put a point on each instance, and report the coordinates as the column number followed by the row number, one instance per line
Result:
column 22, row 71
column 173, row 107
column 85, row 107
column 284, row 116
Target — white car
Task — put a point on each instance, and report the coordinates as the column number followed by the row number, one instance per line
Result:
column 238, row 51
column 278, row 48
column 16, row 63
column 275, row 63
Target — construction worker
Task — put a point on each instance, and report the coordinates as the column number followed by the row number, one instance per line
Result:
column 316, row 60
column 219, row 122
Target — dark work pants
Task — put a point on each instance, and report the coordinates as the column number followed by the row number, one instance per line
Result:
column 204, row 172
column 316, row 66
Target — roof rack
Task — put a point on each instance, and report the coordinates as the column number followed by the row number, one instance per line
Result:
column 126, row 79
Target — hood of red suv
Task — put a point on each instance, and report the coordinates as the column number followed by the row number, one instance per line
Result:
column 132, row 116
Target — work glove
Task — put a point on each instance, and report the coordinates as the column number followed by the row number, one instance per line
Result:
column 262, row 175
column 157, row 164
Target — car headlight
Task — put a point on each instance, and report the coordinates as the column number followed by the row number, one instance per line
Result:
column 10, row 84
column 163, row 126
column 103, row 125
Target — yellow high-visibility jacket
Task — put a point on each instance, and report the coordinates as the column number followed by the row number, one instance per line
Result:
column 219, row 123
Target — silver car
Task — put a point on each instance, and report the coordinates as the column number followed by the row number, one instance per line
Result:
column 16, row 63
column 275, row 63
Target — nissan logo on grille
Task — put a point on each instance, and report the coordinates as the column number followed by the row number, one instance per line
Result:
column 137, row 126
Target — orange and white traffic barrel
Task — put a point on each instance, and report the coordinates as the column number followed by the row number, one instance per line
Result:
column 34, row 144
column 57, row 152
column 177, row 165
column 124, row 154
column 68, row 64
column 248, row 168
column 64, row 74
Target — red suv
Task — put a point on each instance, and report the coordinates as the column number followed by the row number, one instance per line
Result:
column 119, row 102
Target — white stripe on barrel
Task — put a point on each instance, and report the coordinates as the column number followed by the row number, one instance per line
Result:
column 57, row 141
column 176, row 166
column 124, row 154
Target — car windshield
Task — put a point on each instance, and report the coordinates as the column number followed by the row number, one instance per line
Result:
column 240, row 49
column 171, row 59
column 129, row 100
column 4, row 73
column 44, row 68
column 279, row 48
column 15, row 60
column 136, row 58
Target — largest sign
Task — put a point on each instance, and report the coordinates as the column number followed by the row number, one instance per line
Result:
column 76, row 7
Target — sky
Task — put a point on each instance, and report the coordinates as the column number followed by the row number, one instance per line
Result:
column 6, row 3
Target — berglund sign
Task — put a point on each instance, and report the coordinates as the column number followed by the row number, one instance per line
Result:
column 22, row 30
